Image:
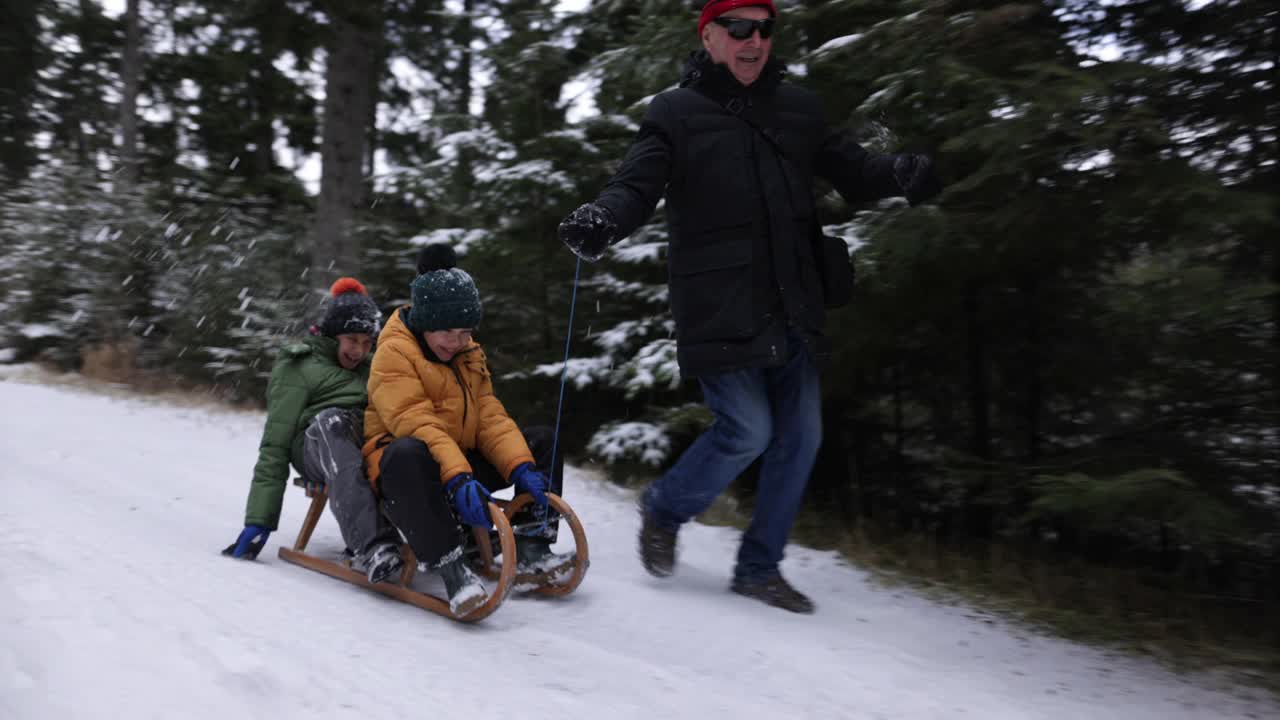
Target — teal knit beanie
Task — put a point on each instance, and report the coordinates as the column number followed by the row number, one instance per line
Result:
column 444, row 296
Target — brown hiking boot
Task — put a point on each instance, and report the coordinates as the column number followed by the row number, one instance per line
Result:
column 775, row 591
column 657, row 547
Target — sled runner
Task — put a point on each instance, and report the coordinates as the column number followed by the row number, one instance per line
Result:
column 500, row 511
column 491, row 570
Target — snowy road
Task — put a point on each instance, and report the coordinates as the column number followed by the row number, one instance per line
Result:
column 114, row 603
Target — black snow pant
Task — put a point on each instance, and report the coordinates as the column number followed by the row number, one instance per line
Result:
column 414, row 496
column 331, row 455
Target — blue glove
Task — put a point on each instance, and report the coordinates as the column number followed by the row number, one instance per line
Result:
column 251, row 541
column 313, row 488
column 470, row 499
column 528, row 479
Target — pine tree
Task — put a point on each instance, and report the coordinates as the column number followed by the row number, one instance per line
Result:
column 228, row 52
column 1203, row 300
column 1046, row 311
column 56, row 225
column 69, row 272
column 233, row 289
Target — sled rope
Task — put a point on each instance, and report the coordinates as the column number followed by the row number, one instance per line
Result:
column 564, row 375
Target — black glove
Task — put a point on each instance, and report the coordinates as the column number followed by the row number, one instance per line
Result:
column 916, row 177
column 588, row 231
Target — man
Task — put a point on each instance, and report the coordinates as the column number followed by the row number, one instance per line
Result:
column 735, row 151
column 438, row 441
column 315, row 407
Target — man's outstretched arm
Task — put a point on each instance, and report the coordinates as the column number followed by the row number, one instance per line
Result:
column 860, row 175
column 630, row 195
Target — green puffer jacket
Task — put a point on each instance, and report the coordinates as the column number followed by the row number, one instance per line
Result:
column 305, row 380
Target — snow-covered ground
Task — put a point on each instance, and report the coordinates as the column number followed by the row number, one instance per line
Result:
column 114, row 603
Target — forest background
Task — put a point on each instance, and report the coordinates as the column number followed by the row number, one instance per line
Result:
column 1057, row 389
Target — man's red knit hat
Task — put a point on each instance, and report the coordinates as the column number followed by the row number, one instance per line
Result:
column 716, row 8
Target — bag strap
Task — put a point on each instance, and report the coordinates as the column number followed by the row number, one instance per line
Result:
column 817, row 238
column 739, row 108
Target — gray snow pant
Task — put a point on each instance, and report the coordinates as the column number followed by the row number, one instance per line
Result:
column 331, row 455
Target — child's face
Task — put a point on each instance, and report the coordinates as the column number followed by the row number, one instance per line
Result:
column 446, row 343
column 353, row 348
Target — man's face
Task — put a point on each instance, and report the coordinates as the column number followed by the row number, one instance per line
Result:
column 353, row 348
column 446, row 343
column 745, row 58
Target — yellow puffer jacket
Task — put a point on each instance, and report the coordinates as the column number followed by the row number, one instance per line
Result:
column 449, row 406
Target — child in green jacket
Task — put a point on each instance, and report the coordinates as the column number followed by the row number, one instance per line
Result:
column 315, row 415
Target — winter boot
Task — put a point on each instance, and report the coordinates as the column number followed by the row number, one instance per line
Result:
column 657, row 547
column 471, row 551
column 537, row 566
column 775, row 591
column 466, row 592
column 384, row 563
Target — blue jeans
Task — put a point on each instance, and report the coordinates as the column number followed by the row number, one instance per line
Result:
column 774, row 412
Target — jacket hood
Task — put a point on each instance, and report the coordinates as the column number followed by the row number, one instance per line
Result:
column 325, row 348
column 702, row 73
column 397, row 327
column 322, row 345
column 404, row 328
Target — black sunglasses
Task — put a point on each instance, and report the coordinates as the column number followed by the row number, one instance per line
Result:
column 741, row 28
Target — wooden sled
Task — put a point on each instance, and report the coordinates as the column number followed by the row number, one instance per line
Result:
column 504, row 574
column 510, row 507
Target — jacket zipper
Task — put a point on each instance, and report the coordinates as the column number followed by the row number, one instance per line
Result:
column 760, row 145
column 466, row 391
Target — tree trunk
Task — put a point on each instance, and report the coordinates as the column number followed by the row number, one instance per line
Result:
column 830, row 481
column 1034, row 360
column 377, row 69
column 130, row 72
column 1275, row 299
column 463, row 35
column 979, row 413
column 85, row 98
column 352, row 53
column 901, row 491
column 262, row 133
column 978, row 509
column 20, row 51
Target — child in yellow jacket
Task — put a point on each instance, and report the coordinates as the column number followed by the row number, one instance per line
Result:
column 438, row 441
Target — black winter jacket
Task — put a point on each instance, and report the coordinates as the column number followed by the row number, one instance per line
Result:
column 740, row 211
